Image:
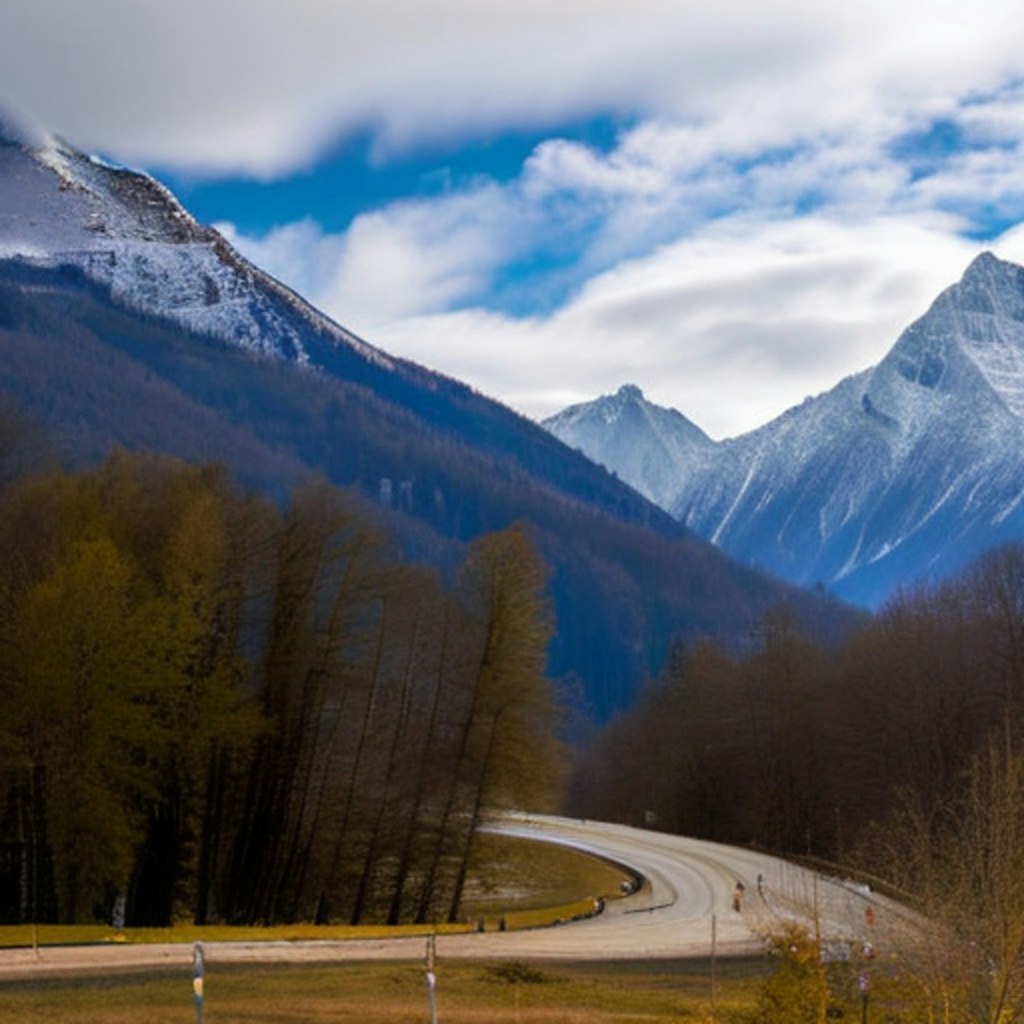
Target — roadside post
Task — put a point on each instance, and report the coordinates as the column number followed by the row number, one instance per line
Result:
column 198, row 971
column 714, row 955
column 864, row 984
column 431, row 977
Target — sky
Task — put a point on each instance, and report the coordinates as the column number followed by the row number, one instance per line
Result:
column 731, row 205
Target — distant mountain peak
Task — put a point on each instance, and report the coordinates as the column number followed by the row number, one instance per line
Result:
column 982, row 263
column 971, row 337
column 649, row 447
column 614, row 406
column 989, row 286
column 899, row 474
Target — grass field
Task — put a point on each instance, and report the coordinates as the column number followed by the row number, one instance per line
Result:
column 466, row 993
column 528, row 884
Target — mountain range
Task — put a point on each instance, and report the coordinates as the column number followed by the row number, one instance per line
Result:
column 124, row 322
column 898, row 476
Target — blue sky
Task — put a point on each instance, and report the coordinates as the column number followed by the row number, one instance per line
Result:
column 732, row 207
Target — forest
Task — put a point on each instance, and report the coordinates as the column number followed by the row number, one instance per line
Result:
column 218, row 709
column 895, row 757
column 801, row 748
column 626, row 579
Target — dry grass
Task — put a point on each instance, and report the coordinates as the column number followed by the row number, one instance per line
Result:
column 53, row 935
column 528, row 884
column 467, row 993
column 535, row 883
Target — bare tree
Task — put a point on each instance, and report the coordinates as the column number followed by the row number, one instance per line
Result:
column 961, row 862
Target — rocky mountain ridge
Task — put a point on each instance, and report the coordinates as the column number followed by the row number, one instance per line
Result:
column 898, row 475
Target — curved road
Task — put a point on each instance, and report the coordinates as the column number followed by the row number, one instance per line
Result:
column 684, row 906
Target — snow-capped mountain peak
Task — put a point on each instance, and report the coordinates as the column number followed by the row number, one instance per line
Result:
column 126, row 231
column 651, row 448
column 984, row 313
column 900, row 473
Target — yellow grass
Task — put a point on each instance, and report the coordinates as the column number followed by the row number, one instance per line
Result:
column 396, row 994
column 524, row 883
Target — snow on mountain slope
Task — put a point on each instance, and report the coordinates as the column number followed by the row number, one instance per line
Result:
column 984, row 317
column 652, row 449
column 899, row 474
column 128, row 232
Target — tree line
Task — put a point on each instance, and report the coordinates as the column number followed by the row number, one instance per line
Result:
column 626, row 579
column 899, row 753
column 215, row 709
column 798, row 747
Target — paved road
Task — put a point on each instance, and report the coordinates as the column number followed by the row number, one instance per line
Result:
column 684, row 904
column 687, row 898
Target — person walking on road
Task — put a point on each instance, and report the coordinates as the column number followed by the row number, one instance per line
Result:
column 737, row 897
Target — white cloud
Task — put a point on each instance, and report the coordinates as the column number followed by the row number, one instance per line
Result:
column 728, row 281
column 411, row 257
column 422, row 257
column 750, row 240
column 731, row 326
column 205, row 83
column 1010, row 245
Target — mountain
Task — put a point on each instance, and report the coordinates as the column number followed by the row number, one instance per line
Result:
column 898, row 475
column 652, row 449
column 125, row 322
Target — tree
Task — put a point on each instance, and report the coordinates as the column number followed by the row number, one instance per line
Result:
column 680, row 759
column 81, row 733
column 194, row 539
column 122, row 601
column 962, row 865
column 427, row 762
column 780, row 681
column 797, row 991
column 507, row 754
column 993, row 592
column 905, row 708
column 323, row 613
column 983, row 861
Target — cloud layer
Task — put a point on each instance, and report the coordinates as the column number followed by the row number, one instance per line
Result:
column 797, row 180
column 205, row 83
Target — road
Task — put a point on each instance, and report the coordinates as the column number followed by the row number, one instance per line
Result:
column 683, row 907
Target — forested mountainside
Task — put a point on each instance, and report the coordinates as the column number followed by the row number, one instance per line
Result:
column 123, row 322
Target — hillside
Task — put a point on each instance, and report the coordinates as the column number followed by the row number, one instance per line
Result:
column 124, row 322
